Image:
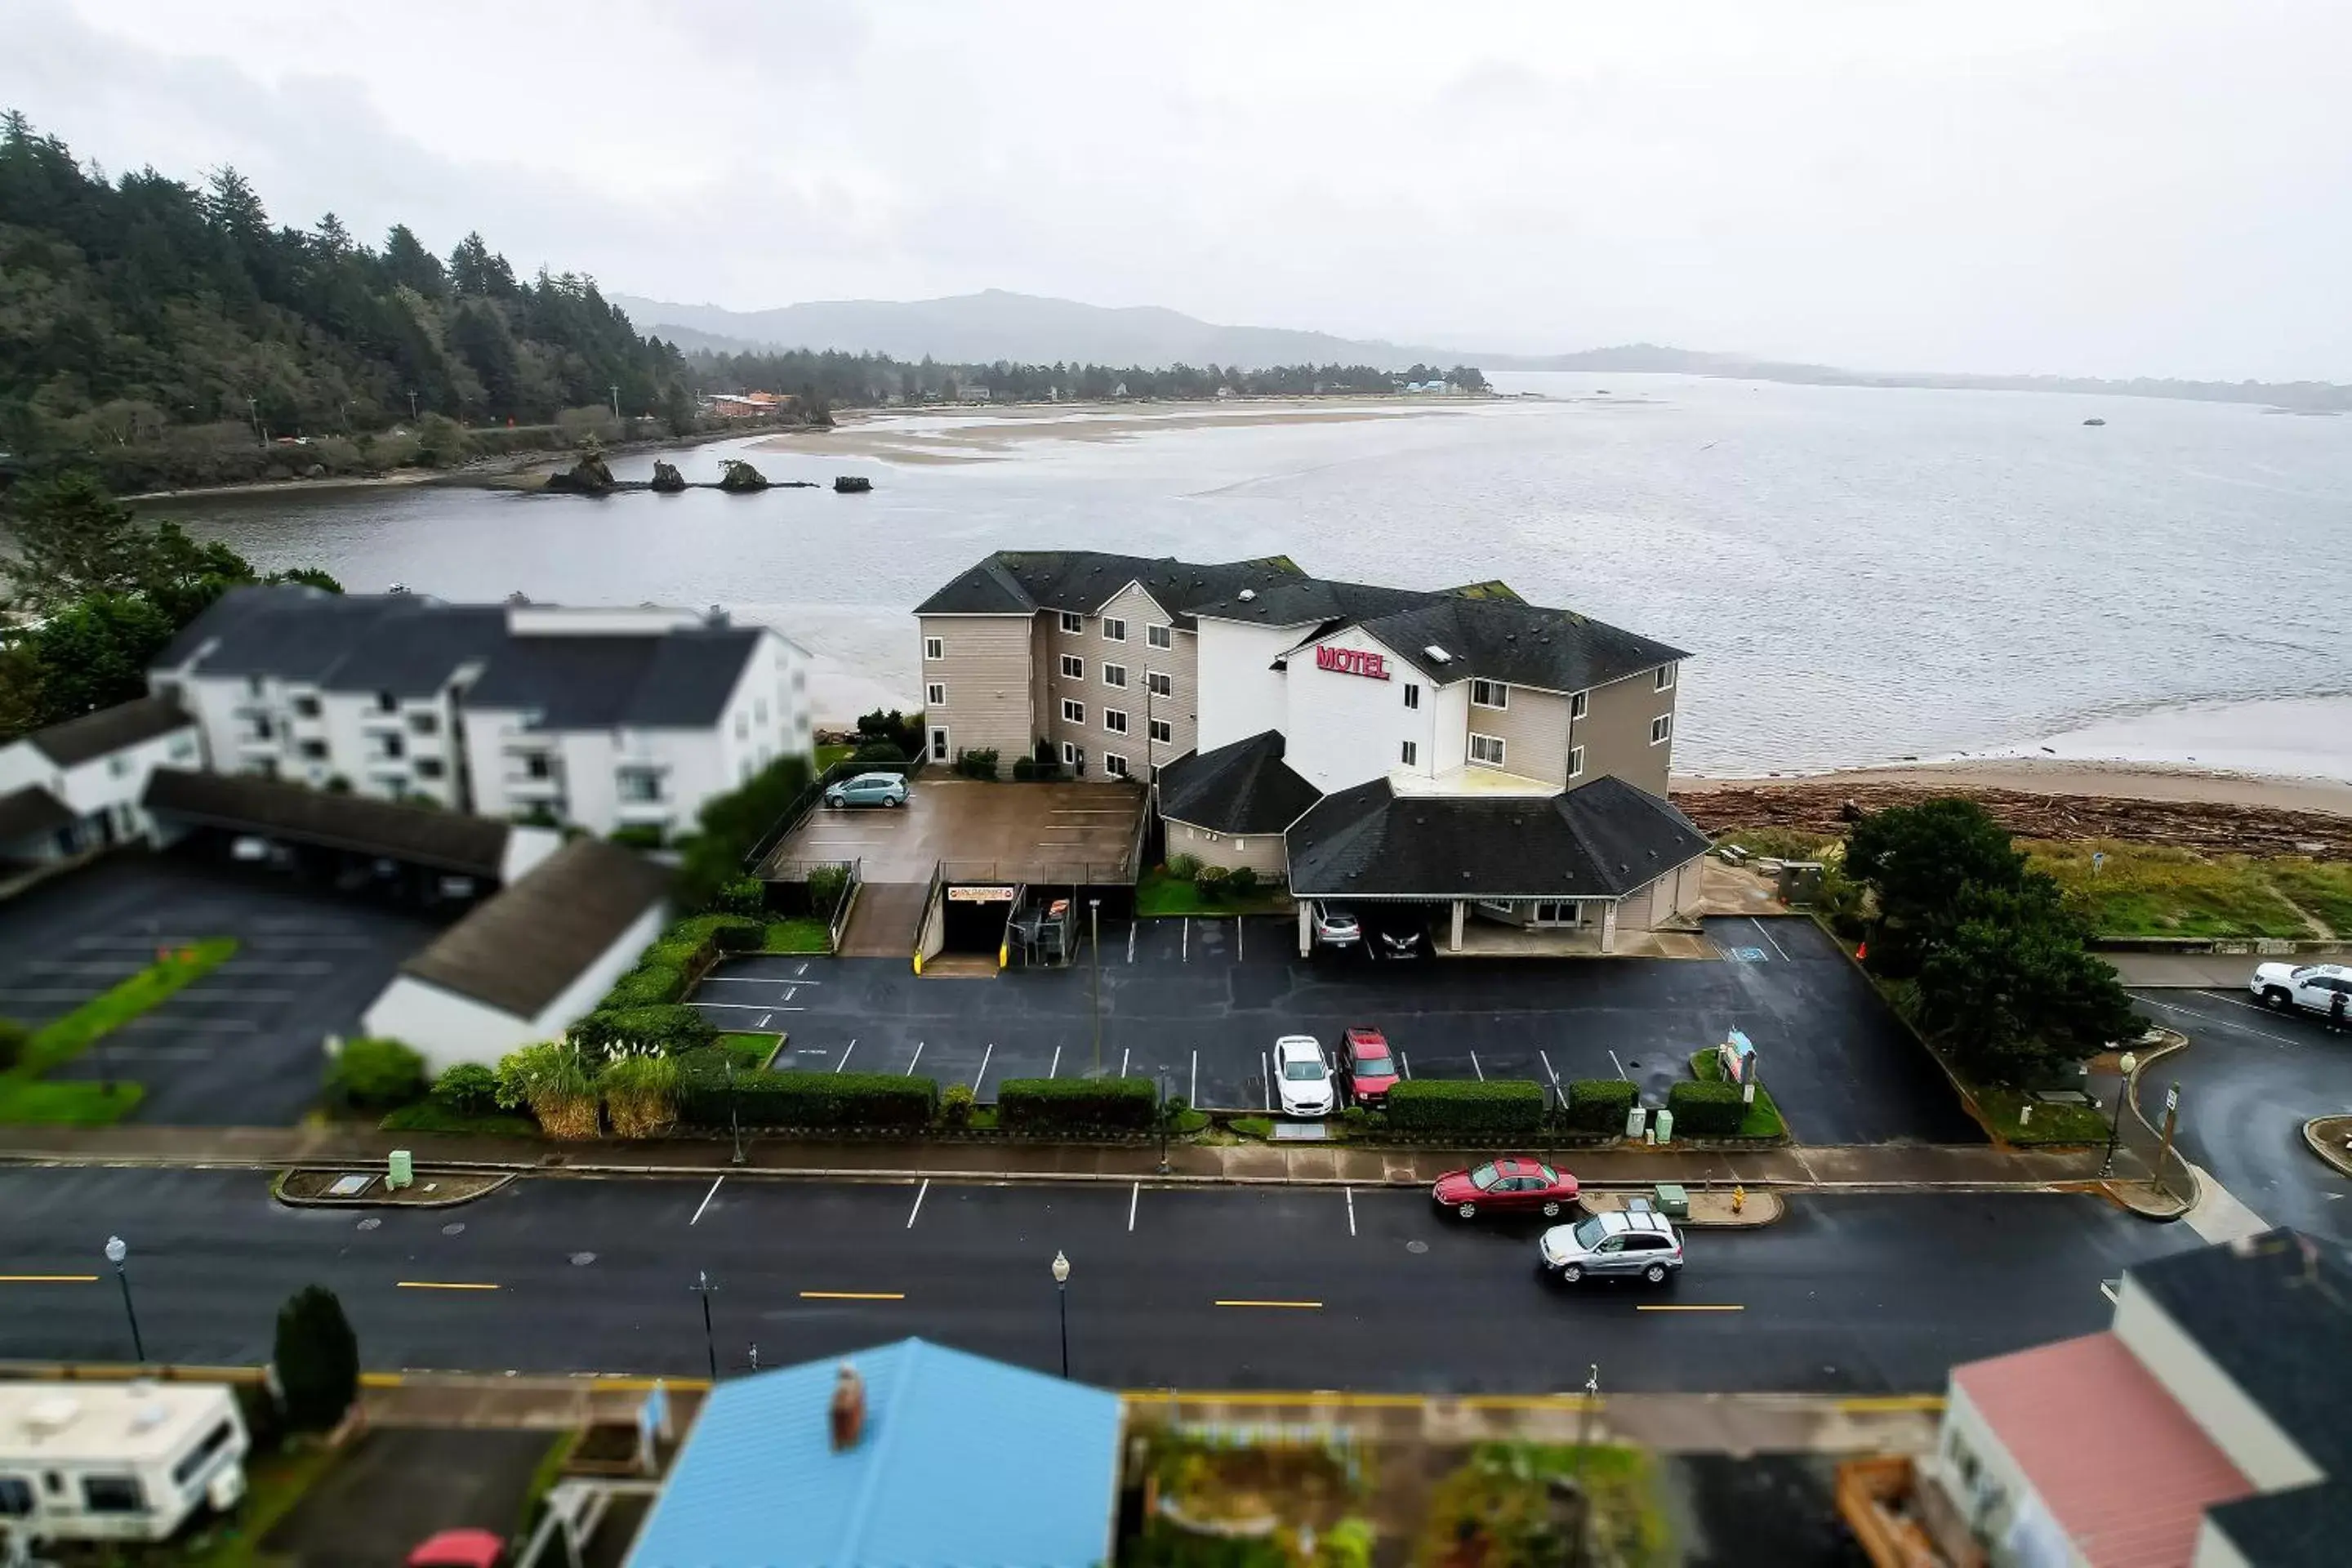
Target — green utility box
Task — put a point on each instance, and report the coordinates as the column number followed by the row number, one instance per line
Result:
column 401, row 1172
column 1673, row 1202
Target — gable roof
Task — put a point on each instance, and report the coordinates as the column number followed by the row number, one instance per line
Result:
column 247, row 803
column 521, row 949
column 963, row 1459
column 678, row 680
column 1602, row 839
column 1525, row 644
column 30, row 813
column 1238, row 788
column 1019, row 581
column 110, row 730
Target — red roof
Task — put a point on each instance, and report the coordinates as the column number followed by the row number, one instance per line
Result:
column 2122, row 1469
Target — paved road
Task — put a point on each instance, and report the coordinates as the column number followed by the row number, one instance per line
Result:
column 1205, row 999
column 2249, row 1081
column 1861, row 1294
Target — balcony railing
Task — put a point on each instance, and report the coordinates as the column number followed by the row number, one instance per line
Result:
column 645, row 810
column 524, row 786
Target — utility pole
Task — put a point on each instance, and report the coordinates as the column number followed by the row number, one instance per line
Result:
column 1094, row 920
column 734, row 1125
column 702, row 1286
column 411, row 405
column 1583, row 1447
column 616, row 391
column 253, row 407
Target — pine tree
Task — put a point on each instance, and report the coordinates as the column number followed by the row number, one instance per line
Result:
column 318, row 1359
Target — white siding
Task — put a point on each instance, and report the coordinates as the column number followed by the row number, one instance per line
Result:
column 1343, row 730
column 1241, row 694
column 107, row 786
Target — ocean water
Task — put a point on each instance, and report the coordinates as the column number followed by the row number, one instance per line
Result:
column 1860, row 575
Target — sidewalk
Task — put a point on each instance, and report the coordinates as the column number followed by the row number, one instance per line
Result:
column 2183, row 970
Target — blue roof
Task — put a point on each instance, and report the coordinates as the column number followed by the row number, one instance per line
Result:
column 964, row 1460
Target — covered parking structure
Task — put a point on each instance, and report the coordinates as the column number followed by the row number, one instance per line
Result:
column 1594, row 866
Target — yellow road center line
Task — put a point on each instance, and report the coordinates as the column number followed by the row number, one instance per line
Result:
column 48, row 1279
column 441, row 1285
column 853, row 1295
column 1657, row 1307
column 1303, row 1305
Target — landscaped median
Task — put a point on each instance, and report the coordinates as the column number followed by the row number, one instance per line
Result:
column 27, row 1095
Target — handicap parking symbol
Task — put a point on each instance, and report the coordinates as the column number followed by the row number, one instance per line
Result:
column 1748, row 954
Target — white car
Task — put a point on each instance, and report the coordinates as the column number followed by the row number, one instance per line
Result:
column 1335, row 927
column 2315, row 987
column 1302, row 1077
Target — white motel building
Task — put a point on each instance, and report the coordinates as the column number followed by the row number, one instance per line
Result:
column 1495, row 761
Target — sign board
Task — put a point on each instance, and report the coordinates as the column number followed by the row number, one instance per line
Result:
column 1352, row 661
column 980, row 895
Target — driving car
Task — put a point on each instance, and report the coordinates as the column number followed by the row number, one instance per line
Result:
column 1513, row 1184
column 1396, row 932
column 1619, row 1243
column 1367, row 1070
column 868, row 789
column 2313, row 987
column 1335, row 927
column 1301, row 1077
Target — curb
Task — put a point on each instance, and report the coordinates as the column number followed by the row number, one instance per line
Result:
column 277, row 1192
column 2336, row 1159
column 2180, row 1042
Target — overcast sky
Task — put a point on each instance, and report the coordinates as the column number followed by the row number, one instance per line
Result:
column 2133, row 187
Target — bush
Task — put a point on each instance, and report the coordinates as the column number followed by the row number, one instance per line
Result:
column 552, row 1079
column 730, row 825
column 1027, row 770
column 671, row 1026
column 826, row 884
column 977, row 764
column 883, row 752
column 640, row 1093
column 318, row 1359
column 678, row 956
column 744, row 896
column 1077, row 1104
column 845, row 1099
column 13, row 1038
column 375, row 1074
column 1241, row 882
column 469, row 1089
column 955, row 1105
column 639, row 836
column 1183, row 868
column 1704, row 1110
column 1209, row 881
column 1496, row 1107
column 1598, row 1105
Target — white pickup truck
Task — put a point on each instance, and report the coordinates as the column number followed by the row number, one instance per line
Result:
column 2314, row 988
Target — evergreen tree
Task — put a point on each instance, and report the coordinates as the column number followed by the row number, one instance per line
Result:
column 318, row 1359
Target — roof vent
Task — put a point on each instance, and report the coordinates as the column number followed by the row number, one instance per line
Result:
column 1247, row 594
column 1438, row 653
column 847, row 1416
column 397, row 588
column 715, row 617
column 49, row 1417
column 518, row 599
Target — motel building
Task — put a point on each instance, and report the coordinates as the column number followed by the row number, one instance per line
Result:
column 1495, row 767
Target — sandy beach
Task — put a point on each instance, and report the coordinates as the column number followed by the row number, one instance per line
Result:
column 987, row 435
column 2112, row 781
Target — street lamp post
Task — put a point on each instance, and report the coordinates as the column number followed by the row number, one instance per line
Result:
column 1094, row 922
column 702, row 1286
column 1062, row 1295
column 734, row 1124
column 2126, row 1065
column 116, row 1252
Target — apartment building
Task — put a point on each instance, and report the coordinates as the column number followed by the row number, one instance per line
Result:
column 77, row 786
column 598, row 718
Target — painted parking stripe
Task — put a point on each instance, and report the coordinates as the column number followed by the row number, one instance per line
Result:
column 48, row 1279
column 1477, row 1068
column 920, row 1193
column 983, row 1066
column 748, row 1007
column 1055, row 1070
column 1351, row 1209
column 1122, row 1058
column 1686, row 1306
column 845, row 1055
column 1619, row 1066
column 1300, row 1306
column 1187, row 954
column 1240, row 926
column 1405, row 1063
column 1770, row 937
column 1196, row 1077
column 1132, row 927
column 757, row 979
column 706, row 1202
column 915, row 1057
column 2258, row 1034
column 442, row 1285
column 1132, row 1199
column 1266, row 1079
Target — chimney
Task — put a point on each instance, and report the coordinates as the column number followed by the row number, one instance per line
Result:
column 848, row 1414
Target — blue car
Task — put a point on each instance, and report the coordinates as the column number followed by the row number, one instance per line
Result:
column 868, row 789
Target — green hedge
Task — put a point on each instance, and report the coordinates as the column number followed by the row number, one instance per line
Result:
column 845, row 1099
column 678, row 956
column 1706, row 1109
column 1598, row 1105
column 1496, row 1107
column 673, row 1026
column 1075, row 1104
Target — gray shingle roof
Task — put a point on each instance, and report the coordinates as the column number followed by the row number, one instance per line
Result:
column 31, row 812
column 520, row 949
column 109, row 729
column 2305, row 1528
column 1014, row 581
column 245, row 803
column 676, row 681
column 1601, row 839
column 1525, row 644
column 1243, row 788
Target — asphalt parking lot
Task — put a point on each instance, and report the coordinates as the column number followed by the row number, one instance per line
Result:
column 1203, row 1000
column 240, row 1047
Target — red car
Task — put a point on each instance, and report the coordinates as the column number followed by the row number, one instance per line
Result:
column 1367, row 1068
column 1507, row 1185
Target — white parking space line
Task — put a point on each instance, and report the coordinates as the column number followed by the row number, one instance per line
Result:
column 2258, row 1034
column 763, row 1020
column 1055, row 1070
column 1351, row 1209
column 2107, row 1289
column 1132, row 927
column 746, row 1007
column 1122, row 1059
column 1768, row 936
column 2237, row 1001
column 1548, row 1068
column 706, row 1201
column 919, row 1193
column 1239, row 924
column 1405, row 1062
column 1132, row 1199
column 915, row 1057
column 983, row 1066
column 1196, row 1078
column 1477, row 1068
column 802, row 970
column 1188, row 939
column 845, row 1054
column 1266, row 1079
column 1619, row 1066
column 757, row 979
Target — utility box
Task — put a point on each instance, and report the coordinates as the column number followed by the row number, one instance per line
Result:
column 1665, row 1123
column 1636, row 1119
column 402, row 1172
column 1673, row 1201
column 1800, row 881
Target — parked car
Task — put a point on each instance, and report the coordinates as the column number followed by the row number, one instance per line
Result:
column 1512, row 1184
column 2314, row 987
column 1301, row 1077
column 868, row 789
column 460, row 1548
column 1397, row 932
column 1619, row 1244
column 1335, row 927
column 1367, row 1070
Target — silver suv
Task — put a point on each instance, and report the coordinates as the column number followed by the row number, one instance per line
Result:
column 1620, row 1243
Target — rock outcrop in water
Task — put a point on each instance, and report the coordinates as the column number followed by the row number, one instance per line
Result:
column 742, row 478
column 588, row 476
column 852, row 484
column 667, row 479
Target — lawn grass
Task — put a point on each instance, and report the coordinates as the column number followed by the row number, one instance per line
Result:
column 2323, row 888
column 1505, row 1494
column 1251, row 1126
column 800, row 933
column 1778, row 843
column 750, row 1052
column 275, row 1482
column 2050, row 1125
column 1158, row 893
column 1763, row 1119
column 828, row 755
column 2158, row 890
column 66, row 1102
column 425, row 1116
column 64, row 1038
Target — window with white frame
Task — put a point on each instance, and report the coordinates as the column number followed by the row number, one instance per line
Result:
column 1159, row 637
column 1489, row 694
column 1660, row 728
column 1159, row 684
column 1412, row 694
column 1073, row 668
column 1073, row 712
column 1486, row 751
column 1072, row 623
column 1114, row 764
column 1412, row 754
column 1161, row 733
column 1069, row 754
column 935, row 647
column 1575, row 762
column 1665, row 678
column 1113, row 629
column 1114, row 675
column 1576, row 706
column 935, row 694
column 1115, row 720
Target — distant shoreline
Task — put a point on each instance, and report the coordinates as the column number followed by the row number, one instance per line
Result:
column 2107, row 779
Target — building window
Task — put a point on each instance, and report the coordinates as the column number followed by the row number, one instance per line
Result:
column 934, row 647
column 1073, row 712
column 306, row 708
column 1489, row 694
column 16, row 1497
column 1158, row 636
column 1161, row 734
column 424, row 723
column 391, row 748
column 637, row 784
column 1115, row 675
column 1487, row 750
column 1412, row 694
column 385, row 702
column 1575, row 762
column 1114, row 720
column 536, row 767
column 194, row 1461
column 428, row 767
column 313, row 751
column 1073, row 668
column 1660, row 728
column 1114, row 764
column 1665, row 678
column 182, row 748
column 112, row 1494
column 1069, row 755
column 1072, row 623
column 1114, row 629
column 1412, row 754
column 760, row 712
column 935, row 694
column 1158, row 684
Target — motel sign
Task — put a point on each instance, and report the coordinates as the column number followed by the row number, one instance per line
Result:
column 1353, row 661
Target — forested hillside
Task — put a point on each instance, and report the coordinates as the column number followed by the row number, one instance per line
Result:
column 163, row 334
column 833, row 376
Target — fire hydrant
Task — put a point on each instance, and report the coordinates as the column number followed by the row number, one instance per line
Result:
column 1738, row 1197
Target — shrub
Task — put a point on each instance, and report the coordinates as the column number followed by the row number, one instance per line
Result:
column 955, row 1105
column 744, row 896
column 879, row 752
column 1598, row 1105
column 469, row 1089
column 1077, row 1104
column 978, row 762
column 826, row 886
column 1241, row 881
column 1496, row 1107
column 861, row 1099
column 318, row 1359
column 1028, row 771
column 552, row 1079
column 639, row 835
column 13, row 1038
column 1707, row 1109
column 672, row 1026
column 375, row 1074
column 1209, row 881
column 1183, row 868
column 640, row 1090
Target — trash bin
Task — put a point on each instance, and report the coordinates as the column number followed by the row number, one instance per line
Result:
column 403, row 1170
column 1673, row 1201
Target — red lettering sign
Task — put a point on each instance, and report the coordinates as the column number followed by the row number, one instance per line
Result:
column 1352, row 661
